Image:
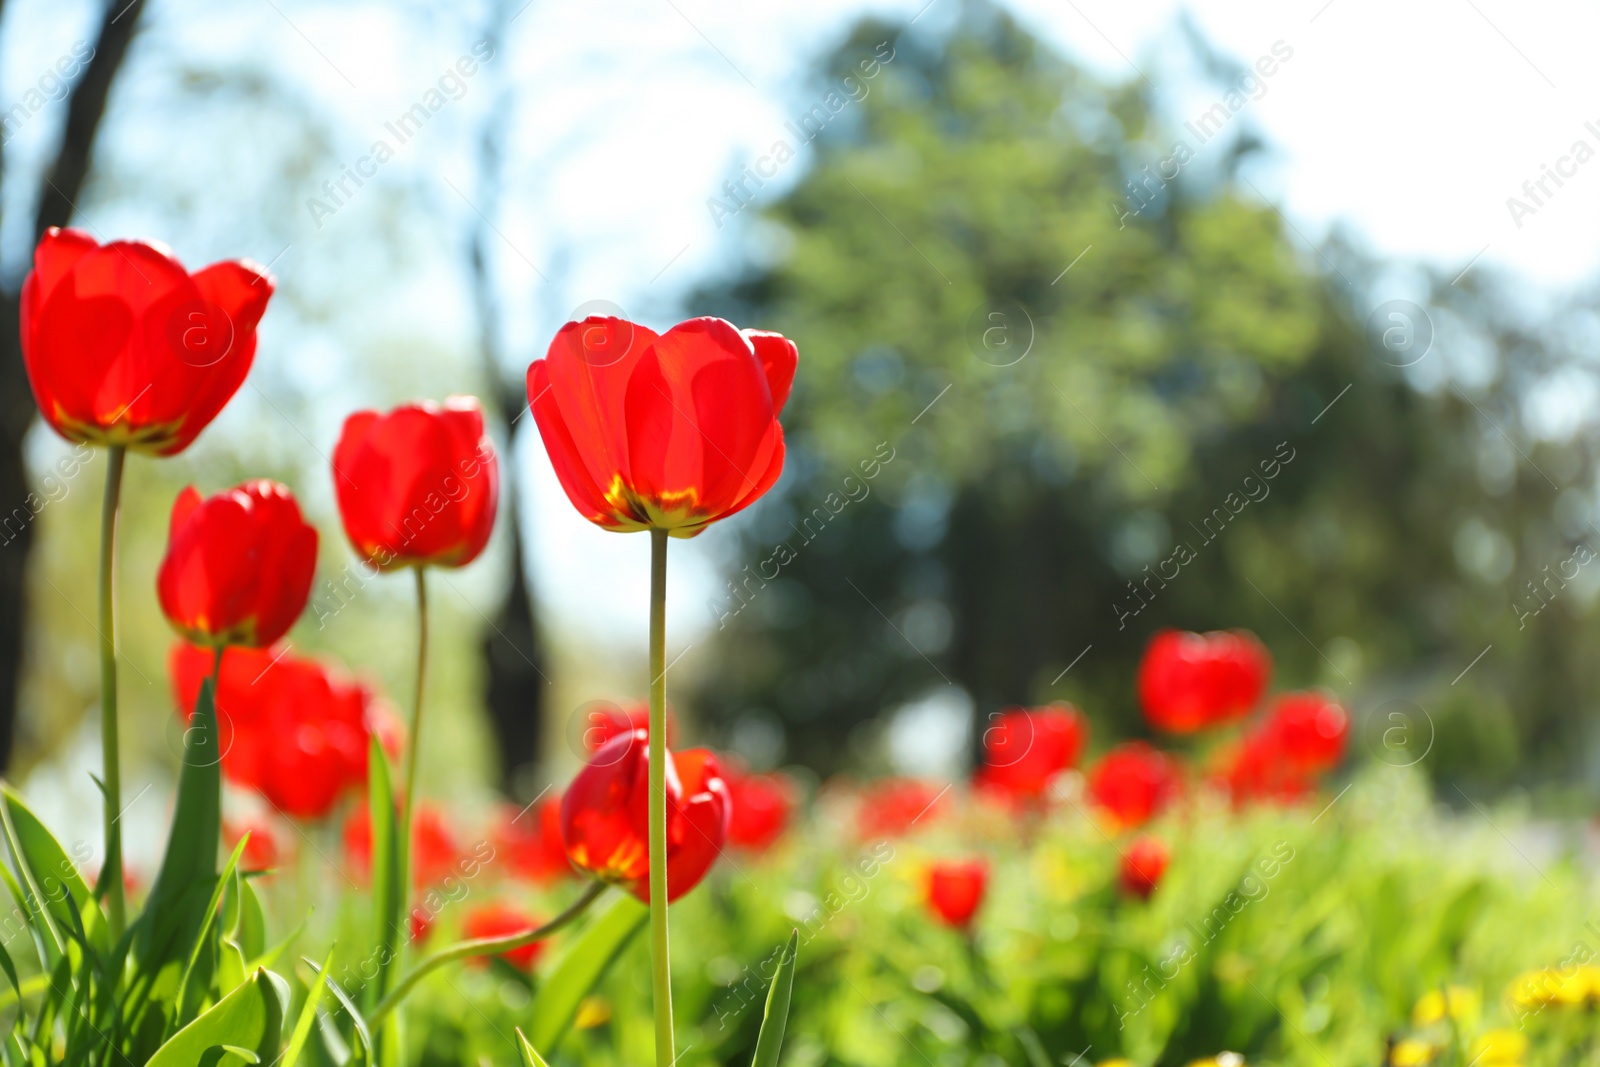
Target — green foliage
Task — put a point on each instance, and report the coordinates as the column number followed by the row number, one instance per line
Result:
column 584, row 963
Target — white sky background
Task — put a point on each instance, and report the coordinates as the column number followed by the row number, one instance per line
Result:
column 1408, row 123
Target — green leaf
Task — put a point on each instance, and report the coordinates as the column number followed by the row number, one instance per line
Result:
column 48, row 876
column 250, row 929
column 775, row 1018
column 530, row 1055
column 177, row 909
column 580, row 969
column 246, row 1022
column 181, row 1015
column 363, row 1034
column 308, row 1014
column 388, row 896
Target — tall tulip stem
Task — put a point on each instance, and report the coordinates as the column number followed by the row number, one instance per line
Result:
column 110, row 749
column 659, row 961
column 414, row 742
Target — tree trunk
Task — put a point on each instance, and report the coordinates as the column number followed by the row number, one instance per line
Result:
column 63, row 184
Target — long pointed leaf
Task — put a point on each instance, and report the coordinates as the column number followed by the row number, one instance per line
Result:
column 775, row 1018
column 388, row 895
column 581, row 967
column 180, row 1016
column 308, row 1014
column 530, row 1055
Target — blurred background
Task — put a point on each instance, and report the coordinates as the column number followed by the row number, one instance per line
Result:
column 1111, row 317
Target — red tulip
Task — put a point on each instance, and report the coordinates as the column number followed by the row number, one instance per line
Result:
column 435, row 852
column 1142, row 867
column 530, row 840
column 124, row 347
column 238, row 566
column 671, row 431
column 956, row 889
column 289, row 727
column 1134, row 782
column 602, row 721
column 605, row 816
column 1309, row 729
column 762, row 804
column 894, row 807
column 261, row 851
column 417, row 486
column 503, row 920
column 421, row 924
column 1025, row 749
column 1190, row 681
column 1257, row 769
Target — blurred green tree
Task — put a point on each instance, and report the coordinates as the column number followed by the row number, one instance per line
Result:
column 1119, row 395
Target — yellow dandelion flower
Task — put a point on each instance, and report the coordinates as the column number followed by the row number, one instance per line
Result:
column 1500, row 1048
column 1412, row 1053
column 1455, row 1002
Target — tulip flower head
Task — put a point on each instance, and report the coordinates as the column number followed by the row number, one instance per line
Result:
column 503, row 920
column 1310, row 730
column 894, row 807
column 605, row 815
column 1189, row 681
column 1134, row 782
column 417, row 486
column 123, row 346
column 956, row 889
column 667, row 431
column 1142, row 867
column 436, row 854
column 762, row 806
column 290, row 728
column 238, row 566
column 1025, row 749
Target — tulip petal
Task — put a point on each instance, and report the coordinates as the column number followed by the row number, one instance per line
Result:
column 779, row 357
column 590, row 364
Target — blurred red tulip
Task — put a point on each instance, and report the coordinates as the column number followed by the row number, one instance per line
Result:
column 1134, row 782
column 502, row 920
column 1142, row 866
column 261, row 851
column 671, row 431
column 421, row 924
column 892, row 807
column 124, row 347
column 436, row 854
column 601, row 721
column 605, row 816
column 1310, row 730
column 762, row 804
column 956, row 889
column 1257, row 769
column 289, row 727
column 238, row 566
column 1026, row 748
column 530, row 840
column 1190, row 681
column 419, row 485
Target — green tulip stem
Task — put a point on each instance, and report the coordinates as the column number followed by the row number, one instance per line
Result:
column 414, row 742
column 661, row 977
column 110, row 749
column 482, row 946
